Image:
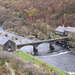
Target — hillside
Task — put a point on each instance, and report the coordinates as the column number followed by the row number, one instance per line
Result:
column 17, row 65
column 20, row 63
column 36, row 17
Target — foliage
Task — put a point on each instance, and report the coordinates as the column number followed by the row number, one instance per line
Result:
column 1, row 62
column 26, row 16
column 20, row 66
column 71, row 36
column 32, row 12
column 3, row 68
column 40, row 63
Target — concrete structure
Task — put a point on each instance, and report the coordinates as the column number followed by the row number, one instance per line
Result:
column 63, row 31
column 5, row 44
column 35, row 44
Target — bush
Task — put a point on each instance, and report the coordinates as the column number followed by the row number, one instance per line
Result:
column 19, row 65
column 71, row 36
column 0, row 72
column 54, row 73
column 1, row 62
column 41, row 36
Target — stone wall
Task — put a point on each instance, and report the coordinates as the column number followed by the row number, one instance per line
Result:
column 73, row 47
column 1, row 47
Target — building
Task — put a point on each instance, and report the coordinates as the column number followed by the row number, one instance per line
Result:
column 63, row 31
column 60, row 30
column 5, row 44
column 70, row 29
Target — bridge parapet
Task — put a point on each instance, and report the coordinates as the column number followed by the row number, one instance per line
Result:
column 35, row 44
column 42, row 41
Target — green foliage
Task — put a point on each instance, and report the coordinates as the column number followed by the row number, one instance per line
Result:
column 71, row 41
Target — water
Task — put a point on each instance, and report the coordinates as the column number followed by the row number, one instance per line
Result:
column 43, row 49
column 62, row 58
column 64, row 61
column 23, row 40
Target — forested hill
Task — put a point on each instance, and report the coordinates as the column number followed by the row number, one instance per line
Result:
column 36, row 17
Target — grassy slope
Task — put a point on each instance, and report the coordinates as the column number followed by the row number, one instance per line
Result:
column 40, row 63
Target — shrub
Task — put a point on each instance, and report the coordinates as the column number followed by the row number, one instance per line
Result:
column 71, row 36
column 44, row 64
column 41, row 36
column 54, row 73
column 1, row 62
column 19, row 65
column 0, row 72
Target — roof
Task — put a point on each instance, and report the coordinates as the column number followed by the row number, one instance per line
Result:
column 17, row 42
column 62, row 29
column 70, row 29
column 3, row 40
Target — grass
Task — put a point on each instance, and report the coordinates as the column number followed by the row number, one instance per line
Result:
column 71, row 41
column 58, row 36
column 40, row 63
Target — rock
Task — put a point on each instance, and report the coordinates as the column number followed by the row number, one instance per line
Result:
column 30, row 36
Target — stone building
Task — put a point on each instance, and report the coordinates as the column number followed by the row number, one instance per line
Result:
column 5, row 44
column 63, row 31
column 60, row 30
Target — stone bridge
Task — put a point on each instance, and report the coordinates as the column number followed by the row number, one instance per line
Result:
column 51, row 41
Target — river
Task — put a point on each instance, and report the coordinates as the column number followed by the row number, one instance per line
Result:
column 62, row 58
